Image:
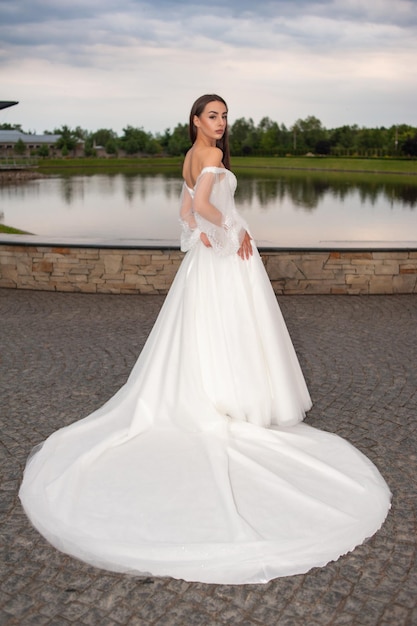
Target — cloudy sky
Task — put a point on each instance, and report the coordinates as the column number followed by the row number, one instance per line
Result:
column 107, row 64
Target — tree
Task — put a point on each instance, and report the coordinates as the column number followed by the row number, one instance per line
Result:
column 164, row 139
column 6, row 126
column 43, row 151
column 136, row 140
column 323, row 146
column 343, row 139
column 81, row 133
column 244, row 137
column 179, row 141
column 111, row 146
column 67, row 141
column 274, row 139
column 19, row 147
column 267, row 138
column 103, row 137
column 409, row 146
column 309, row 133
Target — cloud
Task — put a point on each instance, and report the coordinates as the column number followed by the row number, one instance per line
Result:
column 98, row 63
column 166, row 23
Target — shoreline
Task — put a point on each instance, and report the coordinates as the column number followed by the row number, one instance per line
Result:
column 17, row 176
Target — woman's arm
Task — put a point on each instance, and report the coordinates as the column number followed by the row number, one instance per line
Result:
column 186, row 210
column 202, row 204
column 190, row 232
column 225, row 233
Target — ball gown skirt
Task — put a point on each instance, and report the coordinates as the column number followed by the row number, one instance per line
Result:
column 199, row 468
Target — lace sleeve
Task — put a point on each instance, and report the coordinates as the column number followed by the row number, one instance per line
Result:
column 216, row 215
column 190, row 233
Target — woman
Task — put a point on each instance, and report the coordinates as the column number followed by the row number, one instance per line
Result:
column 199, row 468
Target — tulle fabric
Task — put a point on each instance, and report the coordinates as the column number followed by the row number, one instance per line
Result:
column 199, row 467
column 219, row 185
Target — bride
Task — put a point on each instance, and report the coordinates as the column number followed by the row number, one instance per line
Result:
column 199, row 467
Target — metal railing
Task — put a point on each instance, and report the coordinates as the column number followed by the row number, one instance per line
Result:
column 18, row 162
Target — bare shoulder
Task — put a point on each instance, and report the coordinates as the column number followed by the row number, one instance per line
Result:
column 197, row 159
column 211, row 157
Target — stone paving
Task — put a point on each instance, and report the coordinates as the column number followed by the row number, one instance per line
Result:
column 62, row 355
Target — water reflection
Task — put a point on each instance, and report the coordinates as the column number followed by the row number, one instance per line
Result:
column 308, row 191
column 281, row 208
column 304, row 191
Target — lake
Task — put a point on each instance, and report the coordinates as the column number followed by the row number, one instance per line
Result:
column 294, row 209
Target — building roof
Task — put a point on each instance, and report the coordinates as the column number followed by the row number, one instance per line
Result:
column 7, row 103
column 13, row 136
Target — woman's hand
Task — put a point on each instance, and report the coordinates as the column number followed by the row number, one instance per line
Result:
column 205, row 240
column 245, row 251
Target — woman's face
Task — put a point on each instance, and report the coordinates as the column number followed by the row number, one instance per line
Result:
column 212, row 122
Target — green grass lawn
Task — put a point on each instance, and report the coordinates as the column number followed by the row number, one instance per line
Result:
column 380, row 166
column 12, row 231
column 371, row 165
column 92, row 165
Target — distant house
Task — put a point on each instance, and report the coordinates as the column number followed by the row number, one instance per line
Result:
column 9, row 139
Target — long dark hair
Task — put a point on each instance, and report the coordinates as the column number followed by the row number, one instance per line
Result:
column 197, row 109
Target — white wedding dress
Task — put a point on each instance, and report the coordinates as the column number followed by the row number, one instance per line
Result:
column 199, row 467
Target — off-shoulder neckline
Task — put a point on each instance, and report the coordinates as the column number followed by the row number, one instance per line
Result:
column 208, row 168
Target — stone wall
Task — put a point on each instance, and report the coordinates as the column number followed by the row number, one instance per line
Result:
column 151, row 271
column 342, row 272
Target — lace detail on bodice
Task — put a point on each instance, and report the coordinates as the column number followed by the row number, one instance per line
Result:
column 210, row 208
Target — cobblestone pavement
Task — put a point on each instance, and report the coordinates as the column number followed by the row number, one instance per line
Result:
column 62, row 355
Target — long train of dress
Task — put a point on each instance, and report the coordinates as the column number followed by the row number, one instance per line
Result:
column 199, row 468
